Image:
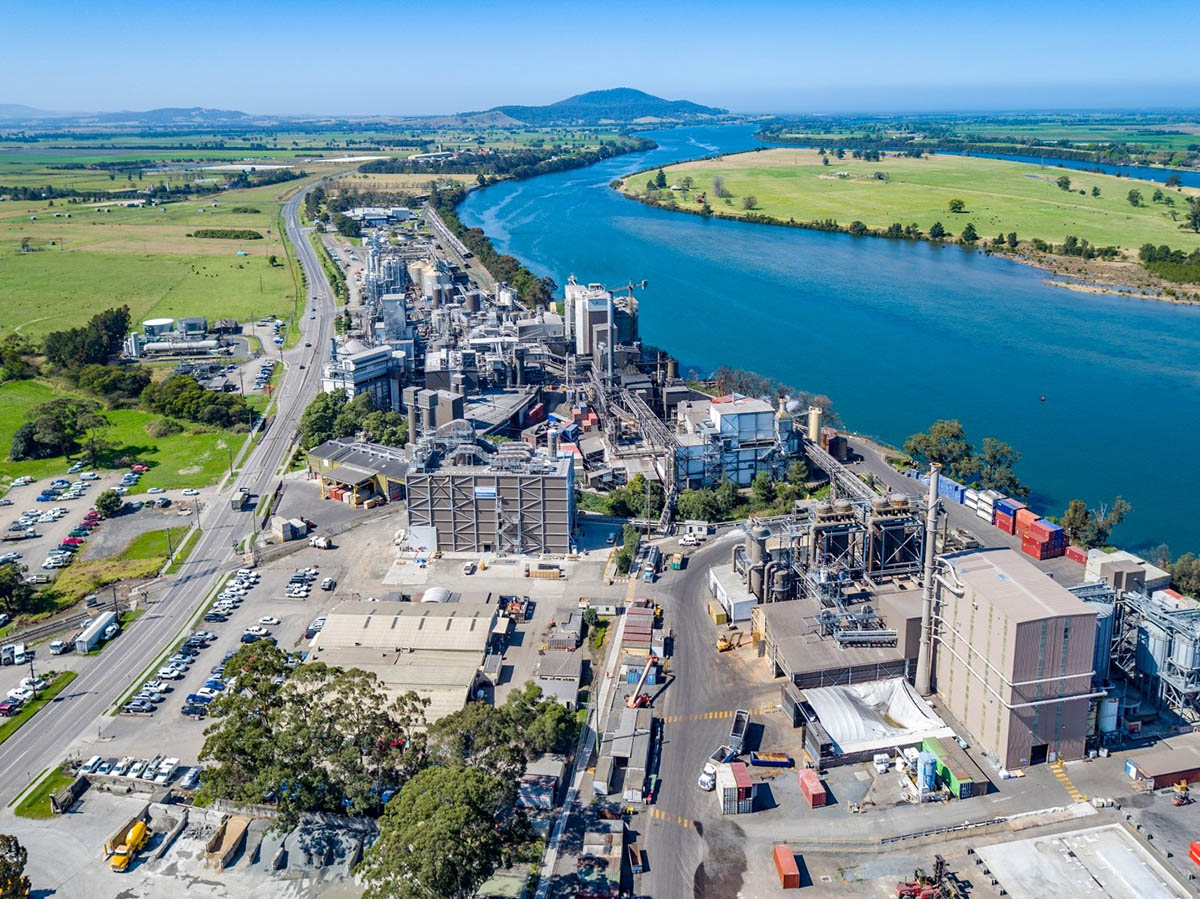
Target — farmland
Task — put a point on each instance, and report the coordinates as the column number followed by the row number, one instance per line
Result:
column 998, row 196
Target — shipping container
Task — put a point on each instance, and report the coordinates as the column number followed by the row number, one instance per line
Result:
column 1026, row 517
column 1003, row 521
column 789, row 871
column 1076, row 554
column 812, row 788
column 956, row 771
column 735, row 789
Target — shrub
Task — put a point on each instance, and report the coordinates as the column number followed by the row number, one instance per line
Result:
column 163, row 427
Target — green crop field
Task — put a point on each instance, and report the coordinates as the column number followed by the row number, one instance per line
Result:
column 191, row 459
column 1000, row 196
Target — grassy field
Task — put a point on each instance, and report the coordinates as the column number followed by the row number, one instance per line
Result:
column 79, row 579
column 1000, row 196
column 56, row 686
column 193, row 458
column 153, row 544
column 36, row 804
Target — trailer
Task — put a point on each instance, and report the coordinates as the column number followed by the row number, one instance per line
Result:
column 239, row 499
column 771, row 759
column 737, row 734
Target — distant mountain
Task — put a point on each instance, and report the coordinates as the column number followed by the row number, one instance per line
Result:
column 619, row 105
column 165, row 117
column 21, row 112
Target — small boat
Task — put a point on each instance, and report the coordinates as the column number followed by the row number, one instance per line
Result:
column 771, row 759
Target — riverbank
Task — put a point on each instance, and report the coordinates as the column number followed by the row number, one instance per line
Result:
column 1076, row 226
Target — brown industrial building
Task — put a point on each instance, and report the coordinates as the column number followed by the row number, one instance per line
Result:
column 1013, row 656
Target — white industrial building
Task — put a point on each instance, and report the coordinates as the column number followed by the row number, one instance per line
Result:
column 380, row 371
column 731, row 437
column 730, row 591
column 434, row 649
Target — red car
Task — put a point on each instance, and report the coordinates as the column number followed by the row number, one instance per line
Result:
column 75, row 541
column 9, row 708
column 139, row 467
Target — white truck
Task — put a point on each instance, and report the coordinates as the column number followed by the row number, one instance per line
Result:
column 166, row 771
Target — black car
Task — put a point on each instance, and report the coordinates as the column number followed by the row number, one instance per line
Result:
column 194, row 710
column 215, row 616
column 250, row 638
column 189, row 649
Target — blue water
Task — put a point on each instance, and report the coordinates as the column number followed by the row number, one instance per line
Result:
column 1148, row 173
column 897, row 333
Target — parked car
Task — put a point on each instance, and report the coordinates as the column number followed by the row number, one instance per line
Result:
column 170, row 672
column 139, row 467
column 328, row 584
column 257, row 630
column 190, row 779
column 89, row 476
column 138, row 706
column 90, row 766
column 137, row 768
column 215, row 617
column 9, row 707
column 191, row 491
column 156, row 490
column 106, row 766
column 194, row 710
column 250, row 638
column 268, row 619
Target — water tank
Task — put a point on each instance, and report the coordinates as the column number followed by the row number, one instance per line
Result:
column 756, row 581
column 429, row 283
column 157, row 327
column 1110, row 707
column 927, row 772
column 843, row 506
column 1102, row 652
column 1153, row 647
column 1185, row 653
column 814, row 424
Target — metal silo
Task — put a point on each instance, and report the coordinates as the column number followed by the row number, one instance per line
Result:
column 1153, row 647
column 1102, row 653
column 927, row 766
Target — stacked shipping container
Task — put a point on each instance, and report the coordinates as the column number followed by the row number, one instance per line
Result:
column 735, row 789
column 1044, row 540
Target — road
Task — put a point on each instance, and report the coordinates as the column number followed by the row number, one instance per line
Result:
column 50, row 733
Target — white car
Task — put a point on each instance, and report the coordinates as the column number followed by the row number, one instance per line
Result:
column 257, row 630
column 156, row 490
column 184, row 512
column 268, row 619
column 47, row 518
column 20, row 694
column 121, row 490
column 170, row 672
column 208, row 692
column 191, row 491
column 155, row 686
column 89, row 476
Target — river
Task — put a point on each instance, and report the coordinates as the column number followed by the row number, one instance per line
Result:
column 897, row 333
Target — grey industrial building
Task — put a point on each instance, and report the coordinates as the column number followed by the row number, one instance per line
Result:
column 514, row 502
column 1014, row 656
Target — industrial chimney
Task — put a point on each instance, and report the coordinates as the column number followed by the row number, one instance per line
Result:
column 925, row 650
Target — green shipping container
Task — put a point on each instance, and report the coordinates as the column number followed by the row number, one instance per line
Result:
column 955, row 770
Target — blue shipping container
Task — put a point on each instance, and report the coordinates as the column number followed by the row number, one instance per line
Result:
column 1006, row 505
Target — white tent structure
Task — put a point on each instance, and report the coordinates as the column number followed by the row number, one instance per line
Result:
column 875, row 715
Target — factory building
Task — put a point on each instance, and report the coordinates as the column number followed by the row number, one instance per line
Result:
column 429, row 410
column 587, row 316
column 515, row 501
column 356, row 369
column 1014, row 656
column 731, row 437
column 356, row 472
column 434, row 649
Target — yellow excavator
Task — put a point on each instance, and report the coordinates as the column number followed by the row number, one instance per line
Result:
column 1183, row 795
column 724, row 644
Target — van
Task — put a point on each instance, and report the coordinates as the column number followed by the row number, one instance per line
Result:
column 57, row 647
column 20, row 656
column 91, row 764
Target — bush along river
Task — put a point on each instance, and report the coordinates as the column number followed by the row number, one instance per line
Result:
column 897, row 333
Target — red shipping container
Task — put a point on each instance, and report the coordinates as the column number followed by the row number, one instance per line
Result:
column 785, row 864
column 812, row 788
column 1003, row 522
column 1031, row 546
column 1194, row 852
column 1041, row 528
column 1077, row 554
column 1026, row 517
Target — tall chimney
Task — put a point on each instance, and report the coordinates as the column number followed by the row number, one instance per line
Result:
column 925, row 650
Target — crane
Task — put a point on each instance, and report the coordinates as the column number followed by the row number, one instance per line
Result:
column 637, row 699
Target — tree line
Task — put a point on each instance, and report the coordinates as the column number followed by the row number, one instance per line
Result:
column 992, row 467
column 332, row 415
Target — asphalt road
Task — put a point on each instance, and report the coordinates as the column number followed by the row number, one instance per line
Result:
column 50, row 733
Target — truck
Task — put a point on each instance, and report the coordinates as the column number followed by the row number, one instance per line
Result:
column 319, row 542
column 737, row 733
column 131, row 844
column 239, row 499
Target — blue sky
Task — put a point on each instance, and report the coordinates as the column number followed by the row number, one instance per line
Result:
column 752, row 56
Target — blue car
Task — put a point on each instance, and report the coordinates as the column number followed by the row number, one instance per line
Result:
column 215, row 684
column 46, row 499
column 197, row 699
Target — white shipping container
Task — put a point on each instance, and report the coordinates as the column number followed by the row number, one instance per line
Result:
column 985, row 514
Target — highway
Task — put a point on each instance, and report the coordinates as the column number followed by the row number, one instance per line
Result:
column 48, row 736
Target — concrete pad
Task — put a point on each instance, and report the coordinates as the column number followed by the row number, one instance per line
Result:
column 1100, row 861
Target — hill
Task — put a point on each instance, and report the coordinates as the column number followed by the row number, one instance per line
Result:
column 617, row 105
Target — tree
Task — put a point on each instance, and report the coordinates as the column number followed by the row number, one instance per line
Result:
column 797, row 473
column 841, row 154
column 441, row 836
column 726, row 496
column 749, row 201
column 1185, row 574
column 944, row 443
column 109, row 503
column 936, row 231
column 1172, row 181
column 957, row 205
column 718, row 186
column 13, row 856
column 16, row 596
column 994, row 468
column 763, row 488
column 1075, row 520
column 1095, row 191
column 319, row 419
column 1063, row 182
column 1134, row 197
column 55, row 428
column 660, row 179
column 1192, row 216
column 697, row 505
column 1100, row 525
column 688, row 181
column 650, row 189
column 969, row 234
column 1012, row 239
column 858, row 229
column 1157, row 196
column 824, row 160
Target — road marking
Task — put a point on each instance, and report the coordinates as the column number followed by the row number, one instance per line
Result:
column 1060, row 772
column 659, row 815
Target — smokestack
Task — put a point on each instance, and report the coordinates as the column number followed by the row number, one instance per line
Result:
column 552, row 442
column 925, row 651
column 612, row 336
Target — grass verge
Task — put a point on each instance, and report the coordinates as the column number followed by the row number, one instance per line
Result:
column 13, row 724
column 153, row 544
column 81, row 578
column 36, row 804
column 182, row 554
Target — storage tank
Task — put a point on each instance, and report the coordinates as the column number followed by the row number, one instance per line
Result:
column 429, row 283
column 1184, row 652
column 757, row 548
column 157, row 327
column 927, row 772
column 1153, row 647
column 1102, row 652
column 1110, row 707
column 815, row 414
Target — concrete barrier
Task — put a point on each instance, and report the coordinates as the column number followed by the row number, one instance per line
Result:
column 225, row 843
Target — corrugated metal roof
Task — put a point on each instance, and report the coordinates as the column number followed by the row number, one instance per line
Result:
column 1178, row 755
column 463, row 627
column 1015, row 586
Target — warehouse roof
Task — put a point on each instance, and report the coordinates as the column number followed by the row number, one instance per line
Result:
column 558, row 665
column 373, row 458
column 460, row 626
column 1014, row 585
column 1174, row 756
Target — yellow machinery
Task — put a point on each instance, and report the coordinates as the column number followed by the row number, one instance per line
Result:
column 125, row 853
column 724, row 644
column 1183, row 795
